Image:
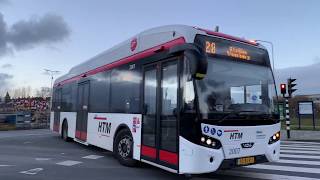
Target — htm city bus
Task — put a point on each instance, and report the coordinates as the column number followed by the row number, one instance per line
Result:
column 182, row 98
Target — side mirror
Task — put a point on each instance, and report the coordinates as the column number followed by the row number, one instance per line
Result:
column 196, row 56
column 198, row 63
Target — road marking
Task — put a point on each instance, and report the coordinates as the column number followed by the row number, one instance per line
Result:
column 299, row 146
column 43, row 159
column 6, row 165
column 299, row 156
column 299, row 162
column 299, row 142
column 92, row 157
column 27, row 142
column 285, row 168
column 256, row 175
column 301, row 152
column 294, row 148
column 32, row 171
column 68, row 163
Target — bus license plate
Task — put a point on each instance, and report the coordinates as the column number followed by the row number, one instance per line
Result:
column 245, row 161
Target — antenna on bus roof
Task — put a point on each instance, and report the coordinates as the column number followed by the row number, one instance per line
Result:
column 216, row 29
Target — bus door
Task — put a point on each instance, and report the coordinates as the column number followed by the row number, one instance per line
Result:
column 82, row 111
column 159, row 123
column 57, row 109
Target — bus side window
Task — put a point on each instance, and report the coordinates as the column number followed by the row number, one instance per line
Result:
column 99, row 92
column 125, row 90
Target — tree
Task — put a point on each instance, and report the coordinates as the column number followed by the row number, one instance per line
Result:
column 7, row 98
column 22, row 92
column 43, row 92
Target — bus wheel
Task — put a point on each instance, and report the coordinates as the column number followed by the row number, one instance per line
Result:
column 64, row 134
column 123, row 148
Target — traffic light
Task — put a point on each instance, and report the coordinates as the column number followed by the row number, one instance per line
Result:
column 291, row 85
column 283, row 89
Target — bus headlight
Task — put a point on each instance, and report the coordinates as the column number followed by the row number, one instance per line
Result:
column 203, row 139
column 274, row 138
column 210, row 142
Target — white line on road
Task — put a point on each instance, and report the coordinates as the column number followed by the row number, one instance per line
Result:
column 92, row 157
column 300, row 142
column 23, row 135
column 301, row 146
column 32, row 171
column 299, row 162
column 255, row 175
column 68, row 163
column 299, row 156
column 6, row 165
column 294, row 148
column 302, row 152
column 43, row 159
column 285, row 168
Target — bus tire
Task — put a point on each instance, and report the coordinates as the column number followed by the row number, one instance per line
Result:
column 64, row 132
column 123, row 148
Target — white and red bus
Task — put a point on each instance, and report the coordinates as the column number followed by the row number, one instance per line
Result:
column 181, row 98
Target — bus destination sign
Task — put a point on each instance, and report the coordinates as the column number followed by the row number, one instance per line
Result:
column 218, row 47
column 231, row 51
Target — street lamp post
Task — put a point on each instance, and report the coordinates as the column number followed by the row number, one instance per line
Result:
column 272, row 52
column 51, row 73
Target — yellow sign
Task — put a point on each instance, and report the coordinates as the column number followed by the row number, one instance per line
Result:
column 245, row 161
column 239, row 53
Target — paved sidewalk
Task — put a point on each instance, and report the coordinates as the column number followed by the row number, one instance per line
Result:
column 301, row 135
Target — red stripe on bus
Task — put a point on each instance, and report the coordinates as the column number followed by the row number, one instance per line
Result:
column 169, row 157
column 100, row 118
column 78, row 134
column 148, row 151
column 231, row 130
column 84, row 136
column 134, row 57
column 226, row 36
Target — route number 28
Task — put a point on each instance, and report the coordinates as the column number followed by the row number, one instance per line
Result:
column 210, row 47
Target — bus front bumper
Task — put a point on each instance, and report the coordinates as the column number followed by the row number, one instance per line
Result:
column 196, row 159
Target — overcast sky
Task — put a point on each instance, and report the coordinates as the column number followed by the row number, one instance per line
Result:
column 58, row 34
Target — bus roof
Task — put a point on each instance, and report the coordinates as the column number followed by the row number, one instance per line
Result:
column 142, row 42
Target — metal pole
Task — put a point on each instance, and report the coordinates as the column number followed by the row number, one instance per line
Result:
column 51, row 73
column 287, row 117
column 272, row 50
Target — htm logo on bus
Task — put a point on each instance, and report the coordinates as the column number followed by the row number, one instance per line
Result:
column 236, row 136
column 104, row 127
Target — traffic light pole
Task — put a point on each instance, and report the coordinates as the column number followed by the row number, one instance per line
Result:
column 287, row 117
column 283, row 90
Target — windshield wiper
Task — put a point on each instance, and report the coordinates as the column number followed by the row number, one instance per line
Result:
column 232, row 113
column 250, row 113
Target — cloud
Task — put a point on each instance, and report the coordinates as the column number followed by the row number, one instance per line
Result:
column 36, row 31
column 6, row 66
column 4, row 81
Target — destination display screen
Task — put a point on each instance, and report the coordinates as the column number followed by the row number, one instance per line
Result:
column 217, row 47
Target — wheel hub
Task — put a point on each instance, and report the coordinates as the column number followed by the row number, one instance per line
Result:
column 124, row 147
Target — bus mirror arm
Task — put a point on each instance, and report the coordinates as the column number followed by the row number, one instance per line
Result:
column 196, row 56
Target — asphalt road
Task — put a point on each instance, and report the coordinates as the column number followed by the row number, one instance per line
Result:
column 42, row 155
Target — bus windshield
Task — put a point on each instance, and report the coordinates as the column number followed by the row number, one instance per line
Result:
column 234, row 87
